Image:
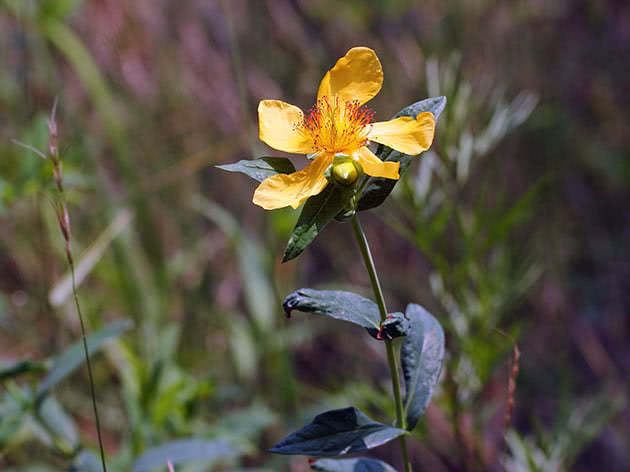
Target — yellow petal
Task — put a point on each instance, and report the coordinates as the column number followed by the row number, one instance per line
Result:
column 373, row 166
column 283, row 190
column 278, row 122
column 405, row 134
column 357, row 76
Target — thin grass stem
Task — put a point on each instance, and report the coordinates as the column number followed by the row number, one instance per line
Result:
column 87, row 358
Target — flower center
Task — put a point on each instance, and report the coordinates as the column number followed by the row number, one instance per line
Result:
column 335, row 125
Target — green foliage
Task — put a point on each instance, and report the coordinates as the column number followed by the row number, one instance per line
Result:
column 254, row 342
column 183, row 451
column 160, row 398
column 337, row 432
column 43, row 10
column 73, row 357
column 470, row 240
column 421, row 358
column 58, row 9
column 244, row 427
column 58, row 424
column 21, row 367
column 253, row 262
column 23, row 173
column 22, row 419
column 557, row 450
column 86, row 461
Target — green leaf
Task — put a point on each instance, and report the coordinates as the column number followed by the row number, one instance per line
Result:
column 350, row 307
column 58, row 9
column 22, row 367
column 357, row 464
column 421, row 356
column 68, row 361
column 376, row 190
column 86, row 461
column 183, row 451
column 316, row 214
column 32, row 468
column 58, row 421
column 345, row 306
column 15, row 414
column 260, row 169
column 337, row 432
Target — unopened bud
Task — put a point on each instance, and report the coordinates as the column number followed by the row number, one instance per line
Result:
column 345, row 173
column 345, row 170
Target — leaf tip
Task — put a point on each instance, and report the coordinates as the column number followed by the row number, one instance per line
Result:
column 439, row 107
column 290, row 253
column 225, row 167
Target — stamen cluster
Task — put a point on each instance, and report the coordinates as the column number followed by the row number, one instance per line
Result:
column 336, row 126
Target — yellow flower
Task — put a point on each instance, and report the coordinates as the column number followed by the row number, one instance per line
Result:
column 338, row 123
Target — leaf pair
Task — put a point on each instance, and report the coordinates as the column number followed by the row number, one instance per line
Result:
column 319, row 210
column 348, row 430
column 337, row 432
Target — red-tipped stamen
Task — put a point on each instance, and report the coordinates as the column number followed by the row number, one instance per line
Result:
column 337, row 126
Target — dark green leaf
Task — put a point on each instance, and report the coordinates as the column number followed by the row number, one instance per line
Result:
column 376, row 190
column 183, row 451
column 316, row 214
column 20, row 368
column 421, row 356
column 68, row 361
column 358, row 464
column 260, row 169
column 337, row 432
column 346, row 306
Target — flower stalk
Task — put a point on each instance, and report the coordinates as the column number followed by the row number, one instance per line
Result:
column 63, row 218
column 389, row 345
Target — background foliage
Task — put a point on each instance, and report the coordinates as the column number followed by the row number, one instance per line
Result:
column 515, row 223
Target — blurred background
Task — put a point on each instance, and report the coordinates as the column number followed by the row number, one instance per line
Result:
column 515, row 226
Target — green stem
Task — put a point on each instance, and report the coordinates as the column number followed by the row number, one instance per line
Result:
column 389, row 345
column 87, row 357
